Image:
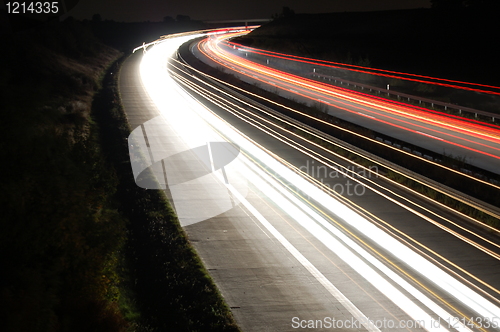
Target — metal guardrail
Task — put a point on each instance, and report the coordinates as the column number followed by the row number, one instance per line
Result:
column 409, row 97
column 466, row 199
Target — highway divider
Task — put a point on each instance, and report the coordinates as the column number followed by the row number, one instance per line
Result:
column 463, row 187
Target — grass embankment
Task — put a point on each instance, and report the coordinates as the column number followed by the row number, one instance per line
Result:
column 340, row 130
column 61, row 232
column 173, row 289
column 81, row 247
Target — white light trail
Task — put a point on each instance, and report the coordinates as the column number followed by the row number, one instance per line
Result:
column 172, row 101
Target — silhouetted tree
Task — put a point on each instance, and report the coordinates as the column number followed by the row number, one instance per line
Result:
column 482, row 7
column 460, row 4
column 182, row 18
column 168, row 19
column 448, row 4
column 285, row 12
column 483, row 4
column 96, row 18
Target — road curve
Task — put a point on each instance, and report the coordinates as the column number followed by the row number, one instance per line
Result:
column 284, row 258
column 478, row 144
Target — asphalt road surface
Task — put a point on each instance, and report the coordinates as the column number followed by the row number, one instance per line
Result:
column 284, row 253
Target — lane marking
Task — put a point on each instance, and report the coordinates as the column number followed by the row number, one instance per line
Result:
column 305, row 262
column 429, row 135
column 368, row 116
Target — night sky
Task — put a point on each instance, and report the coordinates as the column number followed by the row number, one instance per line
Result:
column 155, row 10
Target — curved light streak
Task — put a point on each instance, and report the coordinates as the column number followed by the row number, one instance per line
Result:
column 421, row 158
column 345, row 247
column 373, row 71
column 366, row 100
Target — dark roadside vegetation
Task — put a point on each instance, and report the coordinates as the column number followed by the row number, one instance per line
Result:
column 454, row 40
column 363, row 138
column 82, row 248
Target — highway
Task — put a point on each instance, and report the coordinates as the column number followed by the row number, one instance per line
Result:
column 478, row 143
column 296, row 236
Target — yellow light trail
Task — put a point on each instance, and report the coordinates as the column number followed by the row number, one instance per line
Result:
column 464, row 127
column 383, row 257
column 325, row 161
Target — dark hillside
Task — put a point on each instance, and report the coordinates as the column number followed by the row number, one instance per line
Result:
column 82, row 247
column 127, row 36
column 457, row 45
column 60, row 230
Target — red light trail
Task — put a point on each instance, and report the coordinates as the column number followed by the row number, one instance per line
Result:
column 480, row 133
column 374, row 71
